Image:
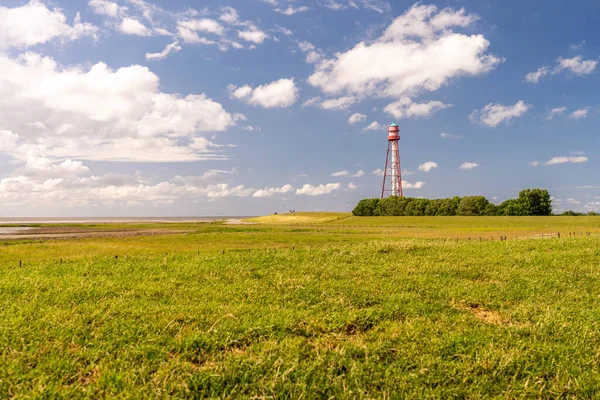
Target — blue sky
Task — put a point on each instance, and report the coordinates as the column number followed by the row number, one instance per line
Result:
column 111, row 108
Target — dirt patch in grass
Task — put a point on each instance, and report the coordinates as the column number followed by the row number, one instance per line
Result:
column 482, row 314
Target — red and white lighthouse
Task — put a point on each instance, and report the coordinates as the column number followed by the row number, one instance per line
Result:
column 392, row 175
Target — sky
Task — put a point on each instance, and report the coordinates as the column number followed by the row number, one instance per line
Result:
column 249, row 107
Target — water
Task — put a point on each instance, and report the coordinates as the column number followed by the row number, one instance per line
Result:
column 96, row 220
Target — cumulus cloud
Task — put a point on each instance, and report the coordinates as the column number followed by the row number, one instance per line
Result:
column 96, row 113
column 271, row 191
column 415, row 185
column 277, row 94
column 406, row 108
column 356, row 118
column 493, row 115
column 534, row 77
column 44, row 183
column 340, row 103
column 566, row 160
column 313, row 55
column 374, row 126
column 253, row 34
column 468, row 165
column 428, row 166
column 311, row 190
column 358, row 174
column 170, row 48
column 188, row 30
column 108, row 8
column 581, row 113
column 352, row 186
column 576, row 65
column 131, row 26
column 34, row 23
column 428, row 54
column 445, row 135
column 340, row 173
column 378, row 172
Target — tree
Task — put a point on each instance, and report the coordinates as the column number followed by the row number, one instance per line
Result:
column 433, row 207
column 416, row 207
column 472, row 206
column 449, row 206
column 393, row 206
column 511, row 207
column 535, row 202
column 366, row 208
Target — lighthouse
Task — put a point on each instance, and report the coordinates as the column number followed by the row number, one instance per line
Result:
column 392, row 175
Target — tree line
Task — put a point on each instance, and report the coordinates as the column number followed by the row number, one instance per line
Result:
column 529, row 202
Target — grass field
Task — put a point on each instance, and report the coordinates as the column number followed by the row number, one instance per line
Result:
column 326, row 306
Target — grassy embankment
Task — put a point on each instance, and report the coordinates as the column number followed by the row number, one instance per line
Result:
column 328, row 309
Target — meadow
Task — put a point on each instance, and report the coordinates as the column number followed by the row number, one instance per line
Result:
column 306, row 306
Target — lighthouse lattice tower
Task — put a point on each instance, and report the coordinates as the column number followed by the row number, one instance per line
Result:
column 392, row 175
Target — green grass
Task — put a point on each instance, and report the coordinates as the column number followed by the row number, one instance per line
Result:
column 311, row 311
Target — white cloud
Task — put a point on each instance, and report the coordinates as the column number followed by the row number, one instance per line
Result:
column 379, row 6
column 406, row 108
column 555, row 112
column 356, row 118
column 340, row 103
column 271, row 191
column 292, row 10
column 573, row 201
column 131, row 26
column 340, row 173
column 313, row 55
column 312, row 101
column 253, row 34
column 428, row 166
column 43, row 183
column 416, row 185
column 358, row 174
column 468, row 165
column 566, row 160
column 280, row 93
column 534, row 163
column 428, row 54
column 445, row 135
column 534, row 77
column 96, row 113
column 108, row 8
column 352, row 186
column 170, row 48
column 33, row 23
column 378, row 172
column 229, row 15
column 581, row 113
column 310, row 190
column 493, row 115
column 374, row 126
column 188, row 29
column 576, row 65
